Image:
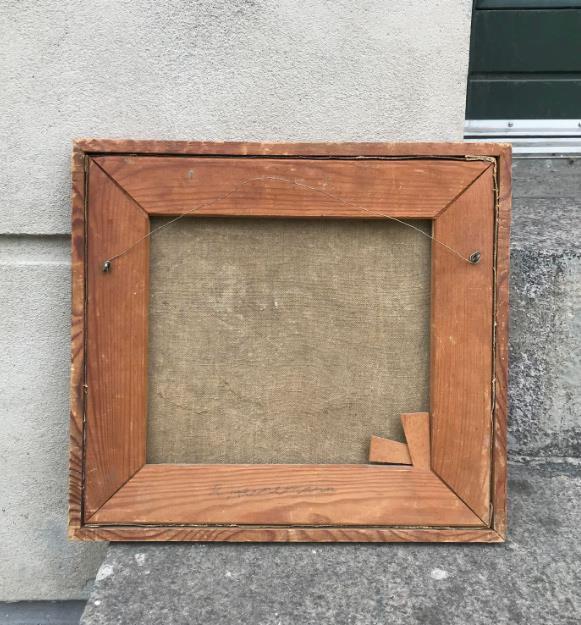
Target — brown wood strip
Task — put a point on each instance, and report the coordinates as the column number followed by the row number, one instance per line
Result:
column 285, row 495
column 288, row 534
column 116, row 341
column 462, row 335
column 416, row 427
column 326, row 150
column 499, row 475
column 77, row 408
column 386, row 451
column 166, row 186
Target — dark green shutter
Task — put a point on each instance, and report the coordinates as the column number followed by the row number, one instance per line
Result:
column 525, row 60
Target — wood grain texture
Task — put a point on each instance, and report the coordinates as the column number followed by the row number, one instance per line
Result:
column 416, row 451
column 168, row 186
column 117, row 304
column 460, row 438
column 287, row 534
column 386, row 451
column 499, row 451
column 77, row 382
column 284, row 495
column 416, row 427
column 459, row 149
column 462, row 334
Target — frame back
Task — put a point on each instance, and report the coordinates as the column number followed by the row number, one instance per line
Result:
column 447, row 481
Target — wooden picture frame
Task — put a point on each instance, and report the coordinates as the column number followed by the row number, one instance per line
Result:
column 447, row 483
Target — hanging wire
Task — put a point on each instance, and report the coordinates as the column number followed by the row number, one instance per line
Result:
column 473, row 259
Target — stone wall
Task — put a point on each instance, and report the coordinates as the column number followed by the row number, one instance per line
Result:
column 545, row 329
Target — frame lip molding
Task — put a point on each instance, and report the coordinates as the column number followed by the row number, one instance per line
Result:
column 101, row 523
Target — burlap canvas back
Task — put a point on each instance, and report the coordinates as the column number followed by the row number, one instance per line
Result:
column 285, row 341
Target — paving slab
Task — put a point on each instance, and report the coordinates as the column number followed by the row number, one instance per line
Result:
column 533, row 579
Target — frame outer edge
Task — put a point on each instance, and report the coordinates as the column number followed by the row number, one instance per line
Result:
column 287, row 534
column 499, row 464
column 77, row 380
column 126, row 443
column 458, row 149
column 83, row 147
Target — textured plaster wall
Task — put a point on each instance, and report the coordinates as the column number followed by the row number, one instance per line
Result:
column 237, row 69
column 256, row 70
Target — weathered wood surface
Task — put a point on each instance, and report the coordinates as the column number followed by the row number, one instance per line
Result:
column 284, row 495
column 167, row 186
column 462, row 346
column 288, row 534
column 501, row 324
column 386, row 451
column 77, row 383
column 416, row 451
column 116, row 367
column 97, row 147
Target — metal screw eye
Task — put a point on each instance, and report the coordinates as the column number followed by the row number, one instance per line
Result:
column 474, row 258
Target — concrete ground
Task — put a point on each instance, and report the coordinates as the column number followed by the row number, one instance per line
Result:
column 533, row 579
